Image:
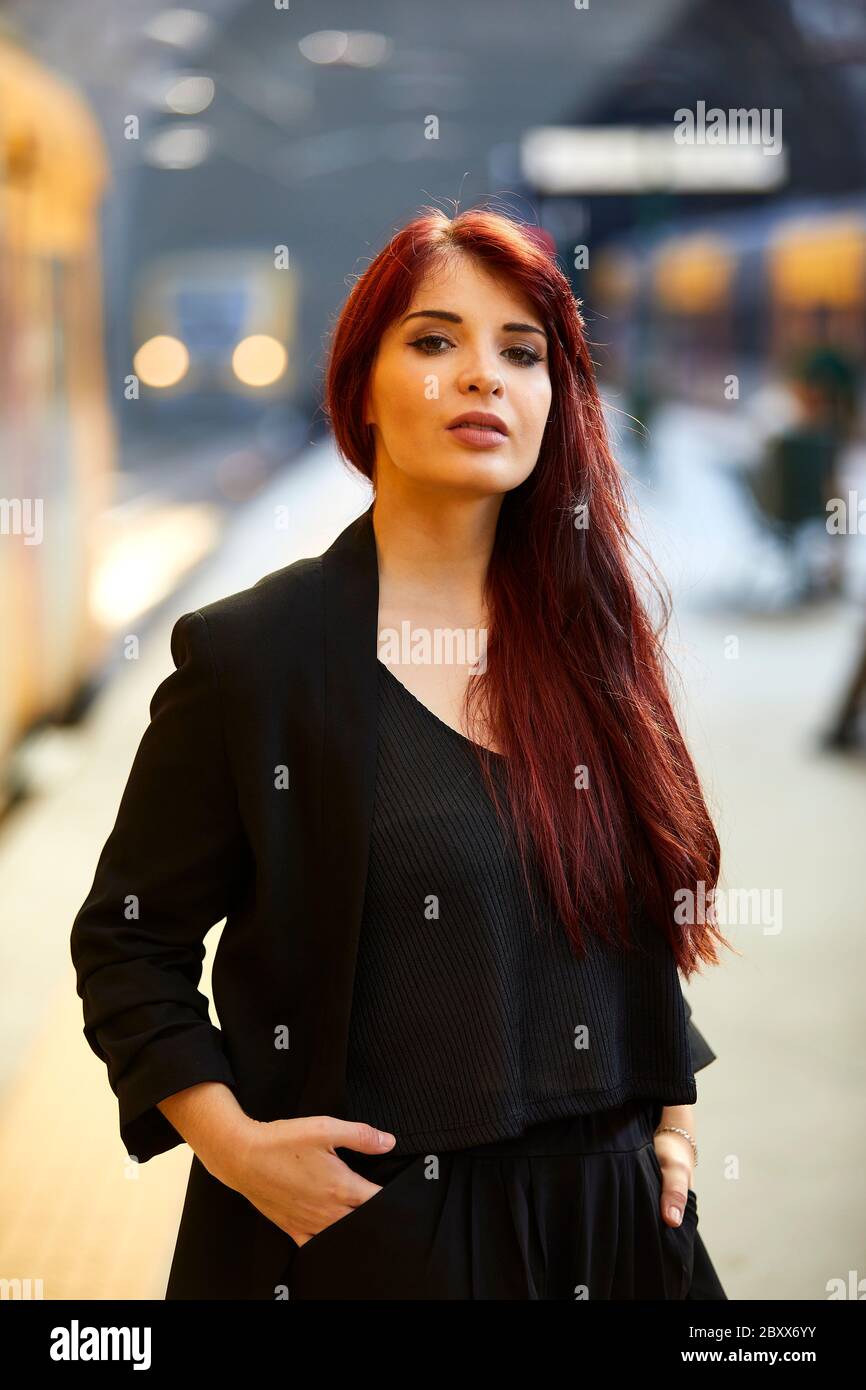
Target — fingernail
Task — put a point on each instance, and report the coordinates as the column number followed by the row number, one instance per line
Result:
column 674, row 1215
column 386, row 1139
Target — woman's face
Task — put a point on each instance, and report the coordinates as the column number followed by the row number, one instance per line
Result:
column 467, row 342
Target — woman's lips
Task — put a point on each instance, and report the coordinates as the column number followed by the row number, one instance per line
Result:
column 478, row 436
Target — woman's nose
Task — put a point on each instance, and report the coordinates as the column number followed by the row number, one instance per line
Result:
column 487, row 381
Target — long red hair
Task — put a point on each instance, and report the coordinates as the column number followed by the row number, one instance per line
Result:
column 575, row 668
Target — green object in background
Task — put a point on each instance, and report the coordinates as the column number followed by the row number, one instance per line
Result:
column 793, row 484
column 836, row 374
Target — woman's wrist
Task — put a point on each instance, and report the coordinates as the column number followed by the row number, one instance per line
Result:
column 211, row 1120
column 681, row 1146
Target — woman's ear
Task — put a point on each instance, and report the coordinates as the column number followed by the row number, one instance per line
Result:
column 368, row 408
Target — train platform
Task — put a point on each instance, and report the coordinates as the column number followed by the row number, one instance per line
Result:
column 783, row 1018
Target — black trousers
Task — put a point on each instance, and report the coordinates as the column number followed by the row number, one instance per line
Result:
column 567, row 1210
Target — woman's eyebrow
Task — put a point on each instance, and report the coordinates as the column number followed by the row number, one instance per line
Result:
column 455, row 318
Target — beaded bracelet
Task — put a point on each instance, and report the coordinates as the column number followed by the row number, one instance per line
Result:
column 675, row 1129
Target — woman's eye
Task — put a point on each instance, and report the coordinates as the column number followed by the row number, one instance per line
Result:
column 428, row 338
column 528, row 359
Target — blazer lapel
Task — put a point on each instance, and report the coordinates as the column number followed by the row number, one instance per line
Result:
column 350, row 598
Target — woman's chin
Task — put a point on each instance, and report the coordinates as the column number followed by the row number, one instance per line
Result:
column 479, row 474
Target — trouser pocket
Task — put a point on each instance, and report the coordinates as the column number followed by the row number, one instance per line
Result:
column 356, row 1255
column 678, row 1241
column 681, row 1243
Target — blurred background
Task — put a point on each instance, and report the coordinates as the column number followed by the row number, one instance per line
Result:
column 185, row 197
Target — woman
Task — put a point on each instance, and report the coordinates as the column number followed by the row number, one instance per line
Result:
column 433, row 781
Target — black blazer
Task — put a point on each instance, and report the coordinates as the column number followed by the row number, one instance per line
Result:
column 250, row 798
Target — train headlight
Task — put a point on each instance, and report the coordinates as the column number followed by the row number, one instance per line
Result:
column 161, row 361
column 259, row 360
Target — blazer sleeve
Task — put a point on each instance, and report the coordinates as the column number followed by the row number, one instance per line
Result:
column 164, row 877
column 702, row 1053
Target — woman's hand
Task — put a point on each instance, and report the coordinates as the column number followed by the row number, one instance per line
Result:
column 289, row 1171
column 677, row 1161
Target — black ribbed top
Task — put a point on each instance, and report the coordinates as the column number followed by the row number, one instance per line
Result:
column 469, row 1024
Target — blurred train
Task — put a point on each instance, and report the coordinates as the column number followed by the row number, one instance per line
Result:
column 676, row 310
column 214, row 337
column 57, row 443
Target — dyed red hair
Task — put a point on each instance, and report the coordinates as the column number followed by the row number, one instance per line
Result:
column 575, row 671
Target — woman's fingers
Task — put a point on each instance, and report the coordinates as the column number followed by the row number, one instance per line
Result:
column 352, row 1134
column 293, row 1176
column 676, row 1181
column 673, row 1202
